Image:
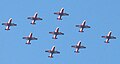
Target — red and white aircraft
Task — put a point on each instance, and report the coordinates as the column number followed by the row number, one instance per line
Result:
column 108, row 37
column 56, row 32
column 29, row 38
column 78, row 46
column 34, row 18
column 52, row 51
column 82, row 26
column 61, row 13
column 8, row 24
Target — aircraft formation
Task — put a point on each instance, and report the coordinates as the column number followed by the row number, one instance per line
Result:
column 57, row 32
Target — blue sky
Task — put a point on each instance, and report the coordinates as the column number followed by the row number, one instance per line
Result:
column 102, row 16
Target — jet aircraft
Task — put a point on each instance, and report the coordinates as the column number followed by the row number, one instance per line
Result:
column 108, row 37
column 55, row 33
column 29, row 38
column 61, row 13
column 82, row 26
column 34, row 18
column 52, row 51
column 8, row 24
column 78, row 46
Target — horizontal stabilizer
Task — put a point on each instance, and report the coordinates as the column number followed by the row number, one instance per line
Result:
column 50, row 56
column 33, row 23
column 28, row 43
column 76, row 51
column 80, row 31
column 106, row 42
column 54, row 38
column 59, row 19
column 7, row 29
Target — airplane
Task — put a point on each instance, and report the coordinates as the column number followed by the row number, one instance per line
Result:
column 34, row 18
column 78, row 46
column 8, row 24
column 29, row 38
column 61, row 13
column 82, row 26
column 108, row 37
column 52, row 51
column 55, row 33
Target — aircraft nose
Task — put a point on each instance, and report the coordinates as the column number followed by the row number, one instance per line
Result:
column 54, row 46
column 84, row 20
column 30, row 32
column 36, row 12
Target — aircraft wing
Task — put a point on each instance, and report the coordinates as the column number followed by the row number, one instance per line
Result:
column 51, row 32
column 34, row 38
column 77, row 25
column 103, row 36
column 48, row 51
column 26, row 37
column 4, row 24
column 87, row 26
column 112, row 37
column 30, row 18
column 56, row 13
column 12, row 24
column 39, row 18
column 65, row 14
column 56, row 52
column 82, row 47
column 73, row 46
column 80, row 26
column 60, row 33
